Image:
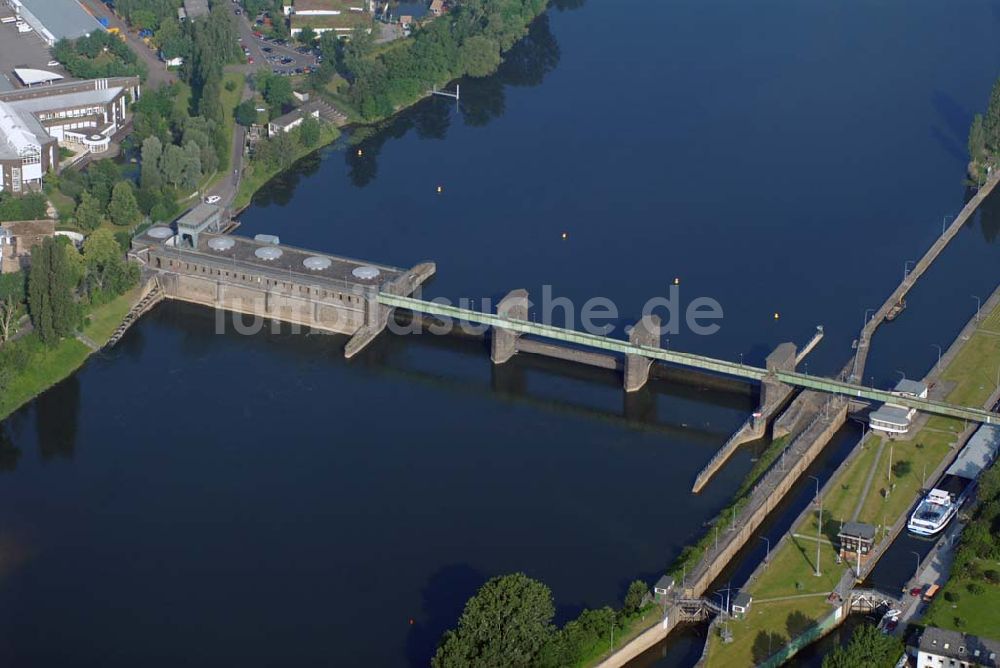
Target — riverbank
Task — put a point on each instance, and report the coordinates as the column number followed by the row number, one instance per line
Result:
column 789, row 598
column 254, row 177
column 42, row 367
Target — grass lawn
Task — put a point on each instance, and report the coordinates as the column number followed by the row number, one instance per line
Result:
column 784, row 619
column 230, row 99
column 979, row 613
column 47, row 367
column 64, row 205
column 104, row 320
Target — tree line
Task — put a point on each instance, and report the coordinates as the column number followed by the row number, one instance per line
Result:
column 468, row 42
column 100, row 195
column 508, row 622
column 984, row 138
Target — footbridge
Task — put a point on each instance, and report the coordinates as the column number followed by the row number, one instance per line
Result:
column 512, row 327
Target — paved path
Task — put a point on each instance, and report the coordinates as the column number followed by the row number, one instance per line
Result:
column 868, row 481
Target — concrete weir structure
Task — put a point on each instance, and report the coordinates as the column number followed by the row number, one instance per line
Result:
column 278, row 282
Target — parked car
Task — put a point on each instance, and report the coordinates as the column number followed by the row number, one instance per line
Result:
column 266, row 49
column 250, row 60
column 212, row 199
column 916, row 591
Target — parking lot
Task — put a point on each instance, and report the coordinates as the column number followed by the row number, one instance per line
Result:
column 267, row 55
column 22, row 50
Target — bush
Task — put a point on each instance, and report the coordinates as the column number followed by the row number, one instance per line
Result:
column 975, row 588
column 952, row 596
column 992, row 576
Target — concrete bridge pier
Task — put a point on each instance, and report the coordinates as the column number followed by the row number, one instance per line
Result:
column 772, row 392
column 646, row 332
column 503, row 344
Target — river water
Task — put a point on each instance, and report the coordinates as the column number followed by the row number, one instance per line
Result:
column 201, row 497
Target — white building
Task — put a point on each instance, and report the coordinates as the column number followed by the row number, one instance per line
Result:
column 895, row 419
column 940, row 648
column 54, row 20
column 33, row 121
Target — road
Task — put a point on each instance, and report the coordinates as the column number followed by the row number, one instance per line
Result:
column 158, row 74
column 933, row 570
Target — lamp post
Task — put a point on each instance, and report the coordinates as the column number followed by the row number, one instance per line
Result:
column 819, row 524
column 864, row 323
column 906, row 271
column 939, row 355
column 978, row 305
column 943, row 219
column 916, row 570
column 767, row 553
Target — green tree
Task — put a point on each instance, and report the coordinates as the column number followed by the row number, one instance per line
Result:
column 89, row 212
column 868, row 648
column 51, row 290
column 977, row 139
column 150, row 176
column 480, row 56
column 634, row 596
column 308, row 132
column 123, row 209
column 307, row 36
column 172, row 165
column 506, row 623
column 246, row 113
column 992, row 121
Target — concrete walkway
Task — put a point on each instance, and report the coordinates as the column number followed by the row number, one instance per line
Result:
column 868, row 482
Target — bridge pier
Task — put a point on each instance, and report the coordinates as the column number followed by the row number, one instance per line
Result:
column 772, row 392
column 646, row 332
column 503, row 342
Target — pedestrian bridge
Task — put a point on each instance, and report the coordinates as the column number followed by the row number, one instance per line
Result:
column 690, row 360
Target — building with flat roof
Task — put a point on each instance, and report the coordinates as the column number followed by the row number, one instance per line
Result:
column 33, row 121
column 941, row 647
column 891, row 418
column 17, row 238
column 338, row 16
column 54, row 20
column 856, row 542
column 195, row 8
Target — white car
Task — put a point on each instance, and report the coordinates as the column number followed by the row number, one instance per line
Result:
column 212, row 199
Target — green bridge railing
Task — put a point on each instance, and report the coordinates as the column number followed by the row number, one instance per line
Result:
column 702, row 362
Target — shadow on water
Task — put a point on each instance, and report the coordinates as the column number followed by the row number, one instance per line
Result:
column 57, row 413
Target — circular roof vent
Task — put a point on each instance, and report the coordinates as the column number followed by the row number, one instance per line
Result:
column 268, row 253
column 365, row 273
column 317, row 263
column 221, row 243
column 160, row 232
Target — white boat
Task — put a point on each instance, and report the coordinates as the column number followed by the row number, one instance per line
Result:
column 933, row 514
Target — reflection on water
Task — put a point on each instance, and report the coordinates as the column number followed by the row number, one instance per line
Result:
column 482, row 100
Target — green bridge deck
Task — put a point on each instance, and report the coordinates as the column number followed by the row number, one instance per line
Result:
column 688, row 359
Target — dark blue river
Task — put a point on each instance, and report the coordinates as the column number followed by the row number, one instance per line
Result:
column 203, row 498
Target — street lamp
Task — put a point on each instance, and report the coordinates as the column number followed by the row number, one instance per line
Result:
column 943, row 219
column 819, row 525
column 865, row 322
column 767, row 554
column 916, row 570
column 978, row 305
column 906, row 270
column 939, row 355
